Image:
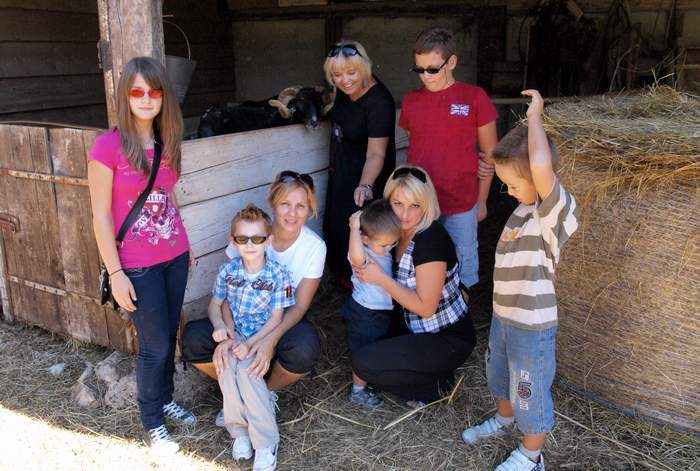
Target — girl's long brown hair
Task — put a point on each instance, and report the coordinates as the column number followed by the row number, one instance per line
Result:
column 169, row 119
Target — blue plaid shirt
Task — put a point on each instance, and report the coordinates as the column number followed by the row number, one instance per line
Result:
column 251, row 300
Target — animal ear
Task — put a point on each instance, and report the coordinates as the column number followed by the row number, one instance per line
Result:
column 326, row 109
column 281, row 107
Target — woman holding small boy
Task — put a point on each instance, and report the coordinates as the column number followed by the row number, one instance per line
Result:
column 363, row 153
column 437, row 334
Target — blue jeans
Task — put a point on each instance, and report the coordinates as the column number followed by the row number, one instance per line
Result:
column 160, row 290
column 520, row 366
column 462, row 227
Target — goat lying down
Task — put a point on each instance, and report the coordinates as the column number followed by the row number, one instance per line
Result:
column 293, row 105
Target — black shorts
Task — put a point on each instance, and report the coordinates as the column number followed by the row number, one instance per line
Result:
column 297, row 351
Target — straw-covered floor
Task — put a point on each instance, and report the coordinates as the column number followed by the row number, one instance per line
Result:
column 319, row 428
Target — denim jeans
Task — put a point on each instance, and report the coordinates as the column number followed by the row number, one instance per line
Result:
column 462, row 227
column 160, row 290
column 520, row 367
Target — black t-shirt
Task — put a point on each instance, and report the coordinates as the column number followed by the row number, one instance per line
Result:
column 372, row 115
column 434, row 245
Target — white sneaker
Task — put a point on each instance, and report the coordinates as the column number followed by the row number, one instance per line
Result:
column 179, row 414
column 517, row 461
column 242, row 449
column 488, row 429
column 265, row 459
column 161, row 441
column 219, row 422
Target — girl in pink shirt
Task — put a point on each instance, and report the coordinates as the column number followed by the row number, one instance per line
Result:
column 148, row 269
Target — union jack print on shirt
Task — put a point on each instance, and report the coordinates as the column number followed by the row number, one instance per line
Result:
column 458, row 109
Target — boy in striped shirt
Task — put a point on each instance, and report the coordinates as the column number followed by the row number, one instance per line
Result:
column 520, row 360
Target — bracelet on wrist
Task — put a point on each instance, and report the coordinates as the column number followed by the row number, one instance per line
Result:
column 365, row 185
column 116, row 271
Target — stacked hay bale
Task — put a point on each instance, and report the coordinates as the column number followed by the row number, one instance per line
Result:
column 629, row 280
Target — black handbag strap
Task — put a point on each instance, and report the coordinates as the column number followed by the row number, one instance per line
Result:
column 157, row 151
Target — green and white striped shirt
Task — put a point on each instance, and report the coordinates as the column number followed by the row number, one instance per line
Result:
column 526, row 256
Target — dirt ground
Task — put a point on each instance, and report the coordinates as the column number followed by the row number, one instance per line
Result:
column 41, row 428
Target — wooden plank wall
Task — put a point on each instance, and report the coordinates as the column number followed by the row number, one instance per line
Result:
column 222, row 174
column 52, row 262
column 49, row 69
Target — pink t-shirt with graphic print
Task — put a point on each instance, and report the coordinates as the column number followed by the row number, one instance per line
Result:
column 157, row 235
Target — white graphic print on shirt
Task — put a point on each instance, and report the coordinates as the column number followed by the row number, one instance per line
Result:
column 157, row 218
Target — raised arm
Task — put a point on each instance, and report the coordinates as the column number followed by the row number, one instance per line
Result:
column 538, row 146
column 356, row 250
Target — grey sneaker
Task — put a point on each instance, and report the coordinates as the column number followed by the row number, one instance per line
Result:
column 161, row 441
column 487, row 429
column 368, row 397
column 219, row 422
column 517, row 461
column 179, row 414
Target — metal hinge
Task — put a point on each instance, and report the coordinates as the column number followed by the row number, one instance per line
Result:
column 44, row 177
column 9, row 222
column 50, row 289
column 104, row 55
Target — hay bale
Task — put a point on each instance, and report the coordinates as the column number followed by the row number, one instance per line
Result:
column 629, row 280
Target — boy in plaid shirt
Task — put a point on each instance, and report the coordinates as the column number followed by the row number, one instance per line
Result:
column 257, row 290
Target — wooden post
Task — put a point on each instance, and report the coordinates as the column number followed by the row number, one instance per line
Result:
column 128, row 28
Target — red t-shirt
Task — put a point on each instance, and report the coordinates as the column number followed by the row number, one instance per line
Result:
column 157, row 235
column 443, row 127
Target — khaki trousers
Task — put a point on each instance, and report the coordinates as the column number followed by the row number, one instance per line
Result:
column 248, row 409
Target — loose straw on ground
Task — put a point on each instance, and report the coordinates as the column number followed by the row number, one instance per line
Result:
column 612, row 440
column 425, row 406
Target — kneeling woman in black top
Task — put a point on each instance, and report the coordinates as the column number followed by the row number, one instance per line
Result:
column 436, row 333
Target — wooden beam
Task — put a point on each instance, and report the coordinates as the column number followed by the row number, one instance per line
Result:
column 127, row 30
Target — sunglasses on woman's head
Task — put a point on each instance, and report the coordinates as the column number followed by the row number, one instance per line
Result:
column 402, row 172
column 346, row 49
column 290, row 176
column 430, row 70
column 154, row 93
column 256, row 239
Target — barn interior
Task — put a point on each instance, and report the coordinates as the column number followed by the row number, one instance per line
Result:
column 252, row 49
column 51, row 71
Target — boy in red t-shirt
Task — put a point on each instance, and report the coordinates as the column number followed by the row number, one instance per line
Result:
column 445, row 120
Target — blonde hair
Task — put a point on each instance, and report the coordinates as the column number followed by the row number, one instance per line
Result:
column 252, row 213
column 169, row 120
column 280, row 189
column 361, row 61
column 420, row 193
